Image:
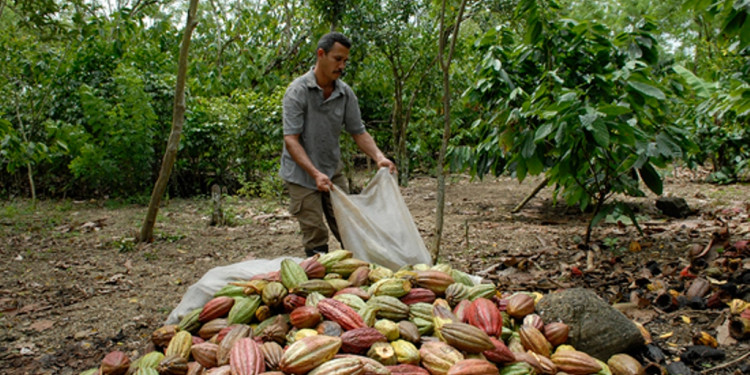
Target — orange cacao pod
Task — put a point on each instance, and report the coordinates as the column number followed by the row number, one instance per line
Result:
column 575, row 362
column 340, row 366
column 358, row 340
column 340, row 313
column 205, row 354
column 520, row 305
column 466, row 337
column 293, row 301
column 473, row 367
column 246, row 357
column 359, row 277
column 305, row 317
column 623, row 364
column 212, row 327
column 370, row 366
column 216, row 308
column 272, row 353
column 485, row 315
column 307, row 353
column 533, row 339
column 313, row 268
column 436, row 281
column 556, row 333
column 163, row 335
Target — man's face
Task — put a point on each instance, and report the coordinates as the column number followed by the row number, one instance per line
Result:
column 332, row 64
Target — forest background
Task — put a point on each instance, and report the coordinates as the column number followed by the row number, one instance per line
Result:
column 595, row 95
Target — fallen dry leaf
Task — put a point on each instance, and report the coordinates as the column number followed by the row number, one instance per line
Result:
column 42, row 325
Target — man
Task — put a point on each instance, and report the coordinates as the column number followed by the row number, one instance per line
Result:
column 317, row 107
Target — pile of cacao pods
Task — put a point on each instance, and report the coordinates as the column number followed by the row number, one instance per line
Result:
column 333, row 314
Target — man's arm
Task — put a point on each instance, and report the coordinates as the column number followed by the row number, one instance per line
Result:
column 365, row 143
column 299, row 155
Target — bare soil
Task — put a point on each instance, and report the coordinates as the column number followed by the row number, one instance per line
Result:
column 75, row 285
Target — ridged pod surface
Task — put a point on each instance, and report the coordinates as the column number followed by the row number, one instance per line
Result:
column 416, row 295
column 371, row 366
column 340, row 366
column 405, row 369
column 308, row 353
column 172, row 365
column 243, row 310
column 533, row 339
column 389, row 307
column 359, row 292
column 358, row 340
column 436, row 281
column 272, row 353
column 438, row 357
column 340, row 313
column 236, row 332
column 500, row 354
column 305, row 317
column 217, row 307
column 115, row 363
column 466, row 337
column 575, row 362
column 246, row 358
column 485, row 315
column 520, row 305
column 623, row 364
column 406, row 352
column 205, row 353
column 473, row 367
column 292, row 274
column 180, row 344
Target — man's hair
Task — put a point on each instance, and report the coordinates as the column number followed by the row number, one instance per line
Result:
column 327, row 41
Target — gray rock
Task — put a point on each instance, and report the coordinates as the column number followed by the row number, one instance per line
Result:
column 673, row 206
column 595, row 327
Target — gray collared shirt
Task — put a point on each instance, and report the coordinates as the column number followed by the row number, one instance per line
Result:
column 319, row 123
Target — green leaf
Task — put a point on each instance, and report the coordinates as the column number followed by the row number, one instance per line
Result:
column 543, row 131
column 651, row 178
column 647, row 90
column 701, row 88
column 613, row 110
column 601, row 133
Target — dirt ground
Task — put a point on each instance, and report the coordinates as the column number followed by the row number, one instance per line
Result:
column 75, row 286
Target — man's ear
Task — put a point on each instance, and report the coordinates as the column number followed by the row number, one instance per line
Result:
column 320, row 52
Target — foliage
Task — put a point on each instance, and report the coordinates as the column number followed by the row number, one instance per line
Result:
column 567, row 99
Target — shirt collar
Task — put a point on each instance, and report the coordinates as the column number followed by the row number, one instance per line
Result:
column 312, row 83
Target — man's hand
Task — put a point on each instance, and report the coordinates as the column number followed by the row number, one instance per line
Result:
column 323, row 183
column 387, row 163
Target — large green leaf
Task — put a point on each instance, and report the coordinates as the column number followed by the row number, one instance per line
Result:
column 702, row 88
column 651, row 178
column 647, row 90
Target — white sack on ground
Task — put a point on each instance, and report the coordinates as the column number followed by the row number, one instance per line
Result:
column 216, row 278
column 376, row 225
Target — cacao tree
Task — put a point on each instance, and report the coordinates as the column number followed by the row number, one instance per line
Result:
column 587, row 110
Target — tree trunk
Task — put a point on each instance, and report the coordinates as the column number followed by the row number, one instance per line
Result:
column 445, row 64
column 536, row 191
column 178, row 118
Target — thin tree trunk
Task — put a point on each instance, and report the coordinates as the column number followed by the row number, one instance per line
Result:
column 178, row 118
column 445, row 64
column 531, row 195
